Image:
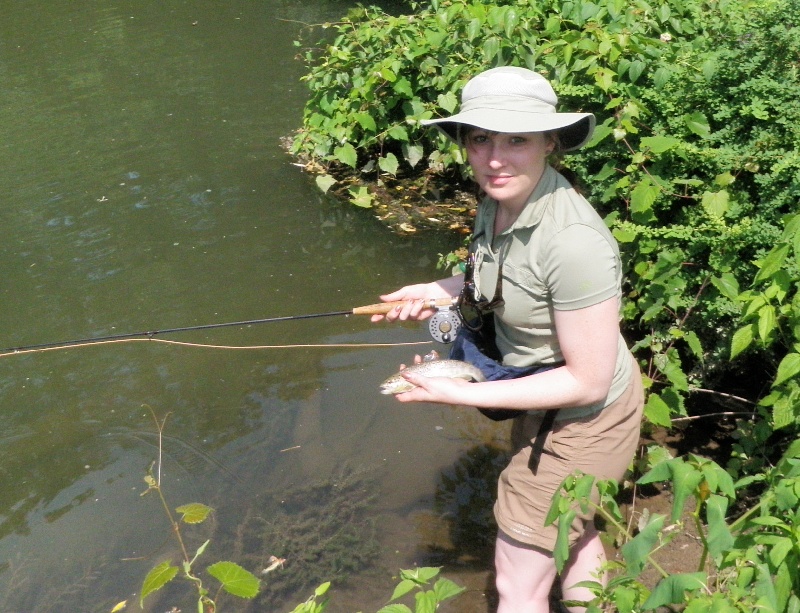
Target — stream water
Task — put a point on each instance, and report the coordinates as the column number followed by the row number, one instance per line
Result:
column 144, row 187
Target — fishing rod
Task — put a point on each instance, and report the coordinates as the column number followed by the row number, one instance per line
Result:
column 380, row 308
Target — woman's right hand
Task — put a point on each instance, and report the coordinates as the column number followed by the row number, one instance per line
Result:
column 414, row 297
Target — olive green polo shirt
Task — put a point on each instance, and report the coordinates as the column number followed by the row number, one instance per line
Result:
column 559, row 255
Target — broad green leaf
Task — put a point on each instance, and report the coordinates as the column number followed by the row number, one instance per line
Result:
column 395, row 608
column 413, row 154
column 426, row 602
column 366, row 121
column 642, row 197
column 788, row 368
column 742, row 339
column 235, row 579
column 659, row 144
column 445, row 589
column 672, row 589
column 346, row 154
column 773, row 262
column 697, row 123
column 657, row 412
column 389, row 164
column 766, row 322
column 403, row 86
column 324, row 182
column 322, row 589
column 636, row 69
column 194, row 513
column 635, row 551
column 561, row 551
column 403, row 588
column 727, row 285
column 448, row 101
column 716, row 204
column 685, row 479
column 720, row 539
column 783, row 412
column 360, row 196
column 694, row 344
column 157, row 578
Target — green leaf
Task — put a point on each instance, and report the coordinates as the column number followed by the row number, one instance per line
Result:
column 672, row 589
column 366, row 121
column 716, row 204
column 772, row 263
column 413, row 154
column 445, row 589
column 766, row 322
column 561, row 551
column 157, row 578
column 360, row 196
column 685, row 479
column 426, row 602
column 697, row 123
column 324, row 182
column 235, row 579
column 720, row 539
column 694, row 344
column 635, row 551
column 657, row 412
column 403, row 588
column 727, row 285
column 642, row 198
column 742, row 339
column 194, row 513
column 448, row 101
column 788, row 368
column 389, row 164
column 659, row 144
column 395, row 608
column 346, row 154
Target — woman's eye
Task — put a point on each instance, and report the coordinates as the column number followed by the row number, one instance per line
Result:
column 478, row 138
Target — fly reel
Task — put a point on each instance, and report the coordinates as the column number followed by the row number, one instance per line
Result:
column 444, row 325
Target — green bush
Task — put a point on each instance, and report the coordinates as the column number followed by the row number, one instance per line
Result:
column 694, row 162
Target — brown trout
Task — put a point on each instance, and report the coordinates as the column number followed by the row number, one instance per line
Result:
column 454, row 369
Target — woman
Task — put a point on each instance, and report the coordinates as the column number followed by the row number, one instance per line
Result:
column 545, row 265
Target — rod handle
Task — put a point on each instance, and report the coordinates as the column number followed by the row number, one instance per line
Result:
column 384, row 307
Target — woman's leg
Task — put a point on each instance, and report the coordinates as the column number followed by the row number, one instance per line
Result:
column 585, row 563
column 525, row 575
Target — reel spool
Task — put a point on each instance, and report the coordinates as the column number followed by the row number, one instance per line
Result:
column 444, row 325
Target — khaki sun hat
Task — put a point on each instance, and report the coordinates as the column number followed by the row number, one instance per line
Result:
column 511, row 99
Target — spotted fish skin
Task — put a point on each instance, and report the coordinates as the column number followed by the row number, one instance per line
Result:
column 454, row 369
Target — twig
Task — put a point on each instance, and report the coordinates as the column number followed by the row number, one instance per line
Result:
column 723, row 414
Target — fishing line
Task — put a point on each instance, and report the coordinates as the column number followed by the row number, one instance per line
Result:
column 8, row 352
column 380, row 308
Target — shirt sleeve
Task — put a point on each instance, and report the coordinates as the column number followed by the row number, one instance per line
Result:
column 581, row 268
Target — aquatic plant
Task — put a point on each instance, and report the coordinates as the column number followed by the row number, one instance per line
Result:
column 325, row 530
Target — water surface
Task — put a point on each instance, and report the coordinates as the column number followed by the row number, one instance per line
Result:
column 144, row 187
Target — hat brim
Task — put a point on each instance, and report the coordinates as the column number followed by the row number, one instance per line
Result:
column 574, row 129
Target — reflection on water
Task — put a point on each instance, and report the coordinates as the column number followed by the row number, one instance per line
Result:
column 145, row 188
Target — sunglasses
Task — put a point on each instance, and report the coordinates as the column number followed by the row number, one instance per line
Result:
column 471, row 311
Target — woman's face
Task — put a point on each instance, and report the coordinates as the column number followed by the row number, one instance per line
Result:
column 508, row 166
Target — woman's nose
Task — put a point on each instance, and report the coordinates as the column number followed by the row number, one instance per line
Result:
column 496, row 156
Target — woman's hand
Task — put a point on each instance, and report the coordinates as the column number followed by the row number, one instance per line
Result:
column 415, row 297
column 436, row 389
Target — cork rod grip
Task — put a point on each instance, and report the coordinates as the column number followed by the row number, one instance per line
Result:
column 384, row 307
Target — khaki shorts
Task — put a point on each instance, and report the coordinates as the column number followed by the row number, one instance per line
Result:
column 602, row 444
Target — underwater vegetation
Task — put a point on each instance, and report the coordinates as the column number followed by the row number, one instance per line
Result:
column 325, row 531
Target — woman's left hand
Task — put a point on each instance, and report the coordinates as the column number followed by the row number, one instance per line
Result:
column 435, row 389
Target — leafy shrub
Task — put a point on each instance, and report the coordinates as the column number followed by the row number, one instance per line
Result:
column 694, row 161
